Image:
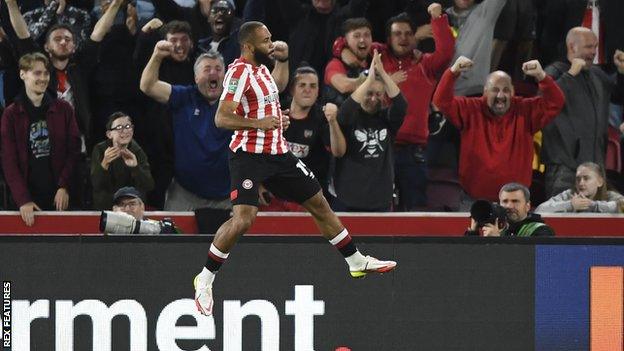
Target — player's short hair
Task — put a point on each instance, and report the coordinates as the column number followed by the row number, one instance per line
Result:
column 400, row 18
column 352, row 24
column 27, row 62
column 247, row 31
column 114, row 116
column 60, row 26
column 511, row 187
column 176, row 26
column 212, row 54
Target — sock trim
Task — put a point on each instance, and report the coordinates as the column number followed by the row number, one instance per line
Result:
column 340, row 238
column 217, row 254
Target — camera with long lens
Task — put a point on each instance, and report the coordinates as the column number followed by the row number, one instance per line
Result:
column 486, row 212
column 123, row 223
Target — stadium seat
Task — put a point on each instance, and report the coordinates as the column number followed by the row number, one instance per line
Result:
column 443, row 190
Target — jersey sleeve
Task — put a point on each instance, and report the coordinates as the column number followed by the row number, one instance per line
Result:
column 235, row 83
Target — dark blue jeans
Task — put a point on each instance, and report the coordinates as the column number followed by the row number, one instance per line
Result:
column 410, row 168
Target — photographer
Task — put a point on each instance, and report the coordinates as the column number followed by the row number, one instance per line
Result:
column 514, row 206
column 128, row 216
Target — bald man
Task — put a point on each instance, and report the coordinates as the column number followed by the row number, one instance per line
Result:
column 496, row 129
column 579, row 134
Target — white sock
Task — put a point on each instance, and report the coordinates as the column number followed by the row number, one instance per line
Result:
column 338, row 238
column 356, row 261
column 206, row 277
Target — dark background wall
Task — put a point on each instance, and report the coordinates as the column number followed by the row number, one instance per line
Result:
column 444, row 295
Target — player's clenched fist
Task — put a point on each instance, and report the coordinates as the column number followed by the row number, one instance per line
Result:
column 280, row 50
column 462, row 64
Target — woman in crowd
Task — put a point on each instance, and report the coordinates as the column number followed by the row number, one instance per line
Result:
column 589, row 194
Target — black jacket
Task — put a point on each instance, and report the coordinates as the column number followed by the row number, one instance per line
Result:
column 532, row 225
column 579, row 133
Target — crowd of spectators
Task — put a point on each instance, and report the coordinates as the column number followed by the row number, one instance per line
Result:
column 383, row 97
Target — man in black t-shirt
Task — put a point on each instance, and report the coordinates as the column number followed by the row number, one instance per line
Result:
column 364, row 176
column 308, row 135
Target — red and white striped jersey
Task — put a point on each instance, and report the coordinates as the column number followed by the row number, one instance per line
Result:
column 258, row 97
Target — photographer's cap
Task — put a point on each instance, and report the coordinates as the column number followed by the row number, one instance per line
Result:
column 125, row 192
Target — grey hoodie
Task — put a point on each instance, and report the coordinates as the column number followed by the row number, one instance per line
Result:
column 475, row 42
column 563, row 203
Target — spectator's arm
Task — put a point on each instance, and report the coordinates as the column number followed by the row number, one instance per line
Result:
column 41, row 19
column 445, row 100
column 346, row 117
column 100, row 177
column 150, row 84
column 10, row 163
column 557, row 204
column 611, row 205
column 17, row 20
column 344, row 84
column 605, row 207
column 546, row 107
column 103, row 25
column 74, row 143
column 617, row 96
column 444, row 46
column 337, row 142
column 141, row 174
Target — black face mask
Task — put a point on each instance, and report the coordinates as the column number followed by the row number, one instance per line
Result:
column 264, row 59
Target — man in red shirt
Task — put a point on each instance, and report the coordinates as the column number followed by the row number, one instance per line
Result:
column 417, row 75
column 341, row 79
column 496, row 129
column 250, row 106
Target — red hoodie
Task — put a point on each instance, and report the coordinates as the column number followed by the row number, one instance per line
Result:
column 496, row 150
column 422, row 77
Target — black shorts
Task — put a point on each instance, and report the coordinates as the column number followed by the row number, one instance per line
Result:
column 517, row 20
column 284, row 175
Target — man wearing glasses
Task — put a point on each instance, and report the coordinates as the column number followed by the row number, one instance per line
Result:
column 223, row 39
column 128, row 200
column 118, row 162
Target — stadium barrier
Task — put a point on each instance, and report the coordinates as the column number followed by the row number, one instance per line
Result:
column 134, row 293
column 290, row 223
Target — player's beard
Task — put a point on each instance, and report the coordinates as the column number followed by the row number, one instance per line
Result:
column 264, row 59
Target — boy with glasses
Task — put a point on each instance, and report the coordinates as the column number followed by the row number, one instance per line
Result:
column 118, row 161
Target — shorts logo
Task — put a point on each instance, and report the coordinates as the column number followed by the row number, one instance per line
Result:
column 247, row 184
column 232, row 86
